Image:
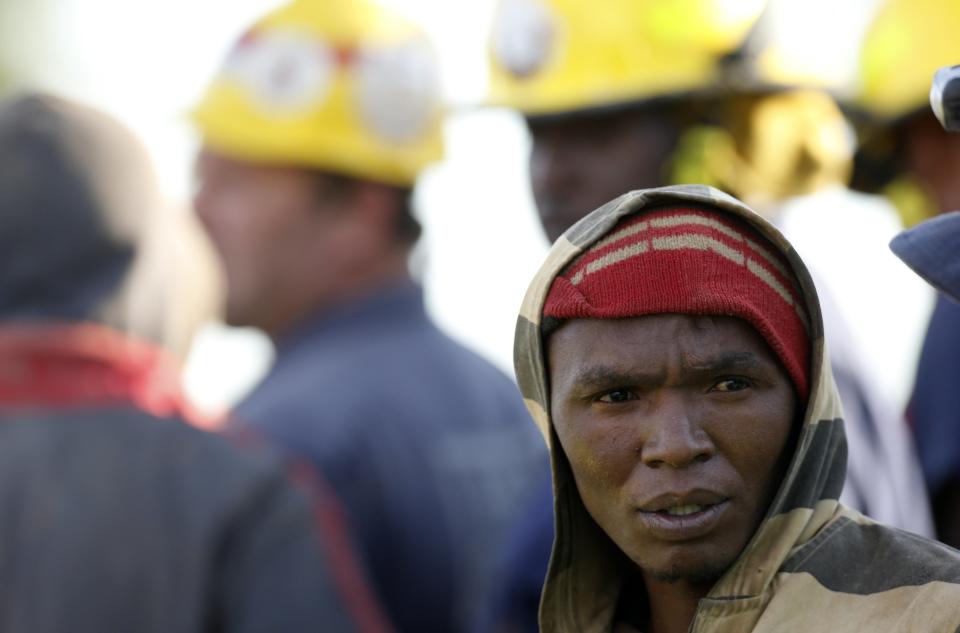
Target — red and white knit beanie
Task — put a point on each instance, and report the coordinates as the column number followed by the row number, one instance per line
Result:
column 687, row 260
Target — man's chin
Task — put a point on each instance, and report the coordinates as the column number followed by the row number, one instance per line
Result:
column 696, row 571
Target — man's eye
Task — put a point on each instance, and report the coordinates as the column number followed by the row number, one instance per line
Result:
column 616, row 396
column 728, row 385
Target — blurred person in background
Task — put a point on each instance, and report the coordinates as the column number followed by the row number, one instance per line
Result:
column 118, row 514
column 314, row 134
column 643, row 94
column 906, row 155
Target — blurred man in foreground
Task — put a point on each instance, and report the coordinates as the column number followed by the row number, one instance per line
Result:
column 314, row 134
column 908, row 156
column 117, row 514
column 672, row 348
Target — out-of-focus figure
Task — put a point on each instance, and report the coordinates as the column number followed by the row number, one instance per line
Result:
column 932, row 249
column 906, row 155
column 644, row 94
column 314, row 134
column 598, row 86
column 118, row 515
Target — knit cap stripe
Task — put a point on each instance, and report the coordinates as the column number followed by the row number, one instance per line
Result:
column 698, row 242
column 616, row 236
column 673, row 221
column 771, row 281
column 695, row 241
column 682, row 220
column 770, row 259
column 610, row 259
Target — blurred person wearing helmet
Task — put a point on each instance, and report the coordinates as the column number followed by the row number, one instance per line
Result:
column 616, row 84
column 906, row 155
column 672, row 349
column 647, row 93
column 314, row 134
column 119, row 514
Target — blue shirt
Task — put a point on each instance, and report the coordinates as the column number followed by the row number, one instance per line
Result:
column 429, row 448
column 935, row 404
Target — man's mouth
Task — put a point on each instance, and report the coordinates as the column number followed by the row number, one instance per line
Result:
column 681, row 517
column 682, row 511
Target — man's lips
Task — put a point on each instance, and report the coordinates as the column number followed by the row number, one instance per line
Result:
column 683, row 516
column 668, row 500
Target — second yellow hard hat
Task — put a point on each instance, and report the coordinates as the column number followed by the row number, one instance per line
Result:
column 904, row 46
column 341, row 85
column 554, row 56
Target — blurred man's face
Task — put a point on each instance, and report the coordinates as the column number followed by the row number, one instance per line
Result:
column 278, row 238
column 677, row 429
column 580, row 162
column 933, row 156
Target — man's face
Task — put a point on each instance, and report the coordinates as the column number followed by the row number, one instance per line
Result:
column 271, row 229
column 678, row 431
column 583, row 161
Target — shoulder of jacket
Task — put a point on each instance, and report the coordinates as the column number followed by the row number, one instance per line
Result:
column 854, row 554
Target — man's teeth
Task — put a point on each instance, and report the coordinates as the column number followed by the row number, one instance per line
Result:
column 679, row 511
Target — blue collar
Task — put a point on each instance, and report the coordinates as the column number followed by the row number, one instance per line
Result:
column 395, row 306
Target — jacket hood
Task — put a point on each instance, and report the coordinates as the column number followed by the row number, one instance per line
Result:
column 586, row 569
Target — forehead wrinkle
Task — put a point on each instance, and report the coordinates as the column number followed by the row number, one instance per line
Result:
column 707, row 346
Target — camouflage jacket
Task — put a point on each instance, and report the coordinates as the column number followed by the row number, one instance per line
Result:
column 812, row 565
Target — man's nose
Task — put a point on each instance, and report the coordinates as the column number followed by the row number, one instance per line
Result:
column 674, row 437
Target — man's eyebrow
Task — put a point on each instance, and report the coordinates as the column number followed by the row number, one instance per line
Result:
column 726, row 361
column 606, row 376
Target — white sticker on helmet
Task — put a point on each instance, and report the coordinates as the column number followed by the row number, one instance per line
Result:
column 398, row 89
column 524, row 34
column 285, row 72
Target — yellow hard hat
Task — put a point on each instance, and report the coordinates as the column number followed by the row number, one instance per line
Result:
column 906, row 43
column 340, row 85
column 554, row 56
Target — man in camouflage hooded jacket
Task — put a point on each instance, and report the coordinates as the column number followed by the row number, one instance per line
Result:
column 671, row 350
